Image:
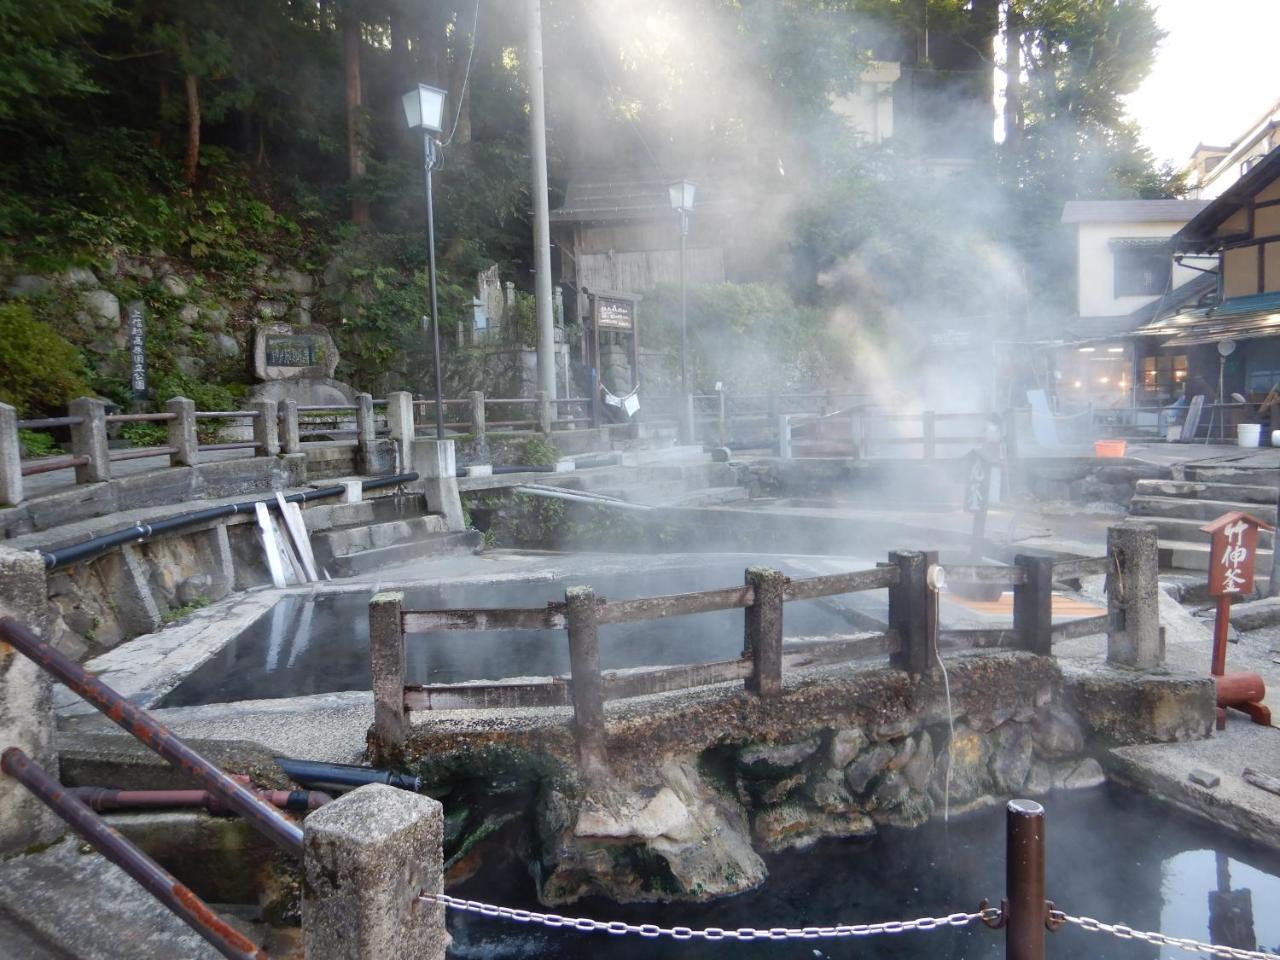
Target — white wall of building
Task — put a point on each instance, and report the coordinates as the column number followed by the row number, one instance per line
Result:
column 869, row 109
column 1095, row 277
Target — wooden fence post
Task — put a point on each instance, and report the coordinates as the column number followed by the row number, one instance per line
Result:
column 386, row 654
column 764, row 631
column 182, row 432
column 1033, row 605
column 582, row 618
column 929, row 433
column 10, row 457
column 913, row 612
column 1133, row 595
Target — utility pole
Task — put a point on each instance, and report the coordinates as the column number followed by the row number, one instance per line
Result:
column 541, row 215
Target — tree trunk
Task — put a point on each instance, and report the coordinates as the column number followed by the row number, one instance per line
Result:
column 1014, row 119
column 192, row 159
column 434, row 42
column 355, row 148
column 460, row 108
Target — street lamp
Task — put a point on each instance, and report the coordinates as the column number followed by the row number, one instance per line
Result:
column 424, row 110
column 681, row 193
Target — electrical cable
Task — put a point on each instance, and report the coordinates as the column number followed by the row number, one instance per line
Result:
column 951, row 721
column 466, row 78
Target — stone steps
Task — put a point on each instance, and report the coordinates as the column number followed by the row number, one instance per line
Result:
column 1188, row 531
column 1189, row 555
column 433, row 545
column 1198, row 509
column 1239, row 493
column 1226, row 473
column 358, row 538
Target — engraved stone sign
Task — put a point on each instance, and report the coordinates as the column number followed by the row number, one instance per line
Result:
column 283, row 351
column 137, row 350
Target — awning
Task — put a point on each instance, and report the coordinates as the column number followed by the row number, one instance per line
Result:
column 1239, row 318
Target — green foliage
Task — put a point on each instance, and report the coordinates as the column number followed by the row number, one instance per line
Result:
column 536, row 452
column 144, row 434
column 41, row 59
column 42, row 371
column 36, row 444
column 177, row 613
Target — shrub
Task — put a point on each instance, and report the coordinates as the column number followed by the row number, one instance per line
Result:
column 42, row 371
column 536, row 452
column 35, row 444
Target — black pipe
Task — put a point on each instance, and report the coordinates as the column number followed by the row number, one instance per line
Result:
column 141, row 531
column 343, row 776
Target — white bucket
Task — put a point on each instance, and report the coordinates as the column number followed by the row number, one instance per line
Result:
column 1275, row 438
column 1248, row 434
column 1173, row 433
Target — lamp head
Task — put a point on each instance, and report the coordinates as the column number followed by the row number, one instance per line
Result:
column 424, row 108
column 681, row 193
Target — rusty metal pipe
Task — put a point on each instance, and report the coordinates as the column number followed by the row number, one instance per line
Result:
column 153, row 878
column 152, row 734
column 1025, row 907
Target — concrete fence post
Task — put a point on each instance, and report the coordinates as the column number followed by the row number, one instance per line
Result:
column 435, row 462
column 477, row 413
column 722, row 417
column 366, row 433
column 1033, row 605
column 1133, row 597
column 913, row 612
column 290, row 439
column 784, row 437
column 367, row 857
column 545, row 417
column 89, row 439
column 400, row 423
column 688, row 422
column 182, row 432
column 763, row 631
column 10, row 457
column 387, row 660
column 266, row 428
column 582, row 616
column 929, row 434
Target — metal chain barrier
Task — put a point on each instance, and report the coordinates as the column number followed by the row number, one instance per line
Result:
column 650, row 930
column 1159, row 939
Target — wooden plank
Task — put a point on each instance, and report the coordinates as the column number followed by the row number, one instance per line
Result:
column 270, row 545
column 676, row 605
column 1071, row 569
column 1263, row 781
column 1079, row 628
column 1009, row 576
column 553, row 692
column 550, row 617
column 837, row 583
column 620, row 684
column 838, row 649
column 297, row 531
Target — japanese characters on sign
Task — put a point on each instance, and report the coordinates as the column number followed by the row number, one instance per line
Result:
column 614, row 314
column 1233, row 549
column 137, row 350
column 292, row 350
column 977, row 488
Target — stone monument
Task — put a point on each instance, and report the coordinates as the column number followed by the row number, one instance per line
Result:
column 297, row 362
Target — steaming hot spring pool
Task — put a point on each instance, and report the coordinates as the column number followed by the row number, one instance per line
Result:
column 319, row 643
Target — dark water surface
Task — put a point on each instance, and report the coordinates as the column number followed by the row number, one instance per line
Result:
column 1112, row 855
column 308, row 645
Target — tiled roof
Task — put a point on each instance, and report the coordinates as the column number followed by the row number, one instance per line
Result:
column 1131, row 211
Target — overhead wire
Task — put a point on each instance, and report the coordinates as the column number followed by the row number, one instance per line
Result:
column 466, row 77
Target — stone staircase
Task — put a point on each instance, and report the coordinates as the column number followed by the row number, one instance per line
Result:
column 1178, row 508
column 691, row 483
column 366, row 536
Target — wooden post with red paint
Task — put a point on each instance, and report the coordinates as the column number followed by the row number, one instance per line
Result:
column 1232, row 551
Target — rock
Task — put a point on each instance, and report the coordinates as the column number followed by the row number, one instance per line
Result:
column 214, row 317
column 270, row 309
column 301, row 316
column 173, row 285
column 766, row 759
column 189, row 315
column 226, row 345
column 79, row 277
column 906, row 750
column 920, row 767
column 985, row 722
column 197, row 587
column 968, row 753
column 1039, row 780
column 29, row 285
column 135, row 268
column 845, row 745
column 621, row 816
column 1123, row 707
column 289, row 280
column 782, row 789
column 1056, row 732
column 893, row 729
column 866, row 767
column 891, row 791
column 828, row 794
column 190, row 366
column 1011, row 760
column 1079, row 776
column 787, row 825
column 335, row 271
column 1204, row 778
column 102, row 306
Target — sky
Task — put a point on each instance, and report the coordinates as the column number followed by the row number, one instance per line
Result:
column 1215, row 74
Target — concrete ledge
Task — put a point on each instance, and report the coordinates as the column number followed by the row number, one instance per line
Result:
column 1122, row 707
column 1254, row 614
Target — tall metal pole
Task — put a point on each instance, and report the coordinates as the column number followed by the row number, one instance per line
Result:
column 429, row 148
column 686, row 424
column 1025, row 911
column 541, row 215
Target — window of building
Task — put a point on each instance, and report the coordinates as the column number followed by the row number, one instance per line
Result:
column 1141, row 269
column 1163, row 376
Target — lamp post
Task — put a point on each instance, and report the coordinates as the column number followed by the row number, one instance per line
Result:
column 424, row 110
column 681, row 194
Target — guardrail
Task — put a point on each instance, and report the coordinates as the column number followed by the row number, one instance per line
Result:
column 911, row 640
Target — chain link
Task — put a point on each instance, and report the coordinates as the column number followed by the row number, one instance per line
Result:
column 649, row 930
column 1160, row 939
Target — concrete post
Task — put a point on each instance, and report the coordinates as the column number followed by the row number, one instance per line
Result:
column 436, row 466
column 1033, row 605
column 763, row 640
column 784, row 437
column 366, row 858
column 386, row 654
column 913, row 612
column 582, row 615
column 688, row 424
column 266, row 429
column 545, row 417
column 1133, row 597
column 10, row 457
column 722, row 418
column 477, row 413
column 26, row 710
column 400, row 423
column 366, row 433
column 182, row 432
column 929, row 433
column 290, row 441
column 89, row 439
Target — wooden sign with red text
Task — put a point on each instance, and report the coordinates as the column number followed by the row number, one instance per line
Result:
column 1232, row 550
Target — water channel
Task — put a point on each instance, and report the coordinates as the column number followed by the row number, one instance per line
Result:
column 1112, row 854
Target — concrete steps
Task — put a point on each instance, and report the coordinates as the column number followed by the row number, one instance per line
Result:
column 343, row 541
column 1189, row 555
column 432, row 545
column 1226, row 473
column 1195, row 489
column 1188, row 530
column 1195, row 509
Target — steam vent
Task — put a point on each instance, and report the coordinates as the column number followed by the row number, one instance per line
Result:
column 511, row 479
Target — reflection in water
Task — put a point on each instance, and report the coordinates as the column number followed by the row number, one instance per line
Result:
column 306, row 645
column 1210, row 894
column 1112, row 855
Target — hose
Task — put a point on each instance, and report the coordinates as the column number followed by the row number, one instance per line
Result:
column 338, row 777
